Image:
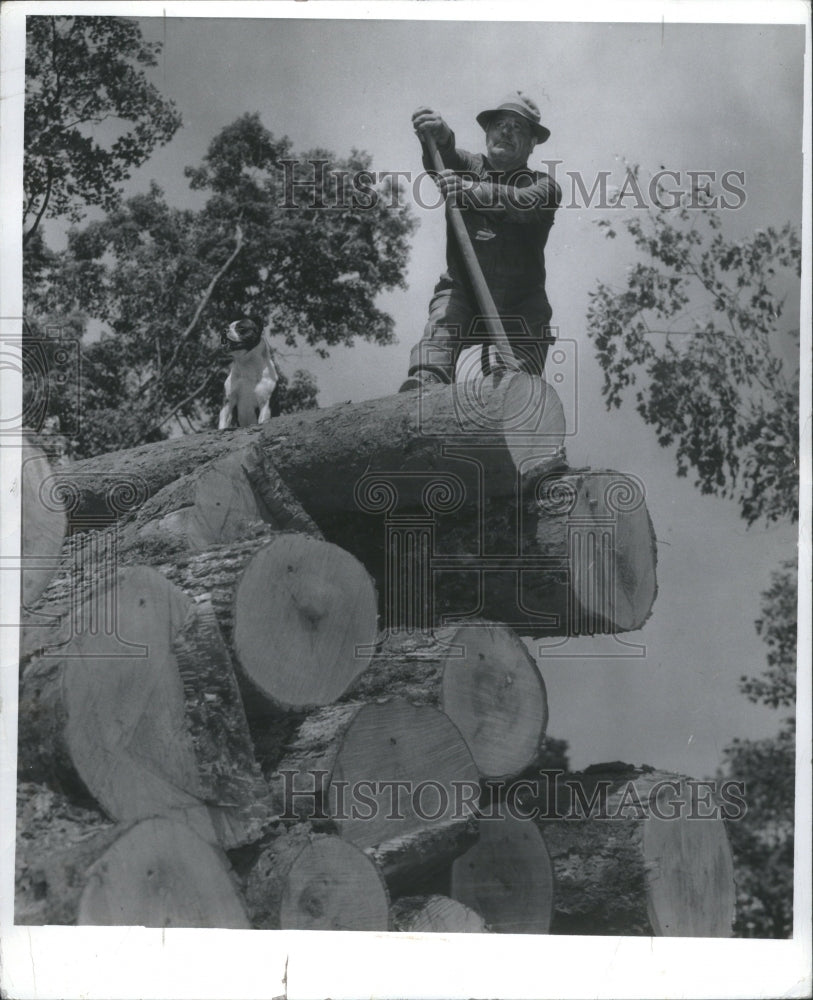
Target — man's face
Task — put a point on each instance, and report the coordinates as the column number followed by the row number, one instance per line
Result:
column 509, row 140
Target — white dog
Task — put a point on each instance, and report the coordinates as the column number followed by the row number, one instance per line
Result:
column 252, row 379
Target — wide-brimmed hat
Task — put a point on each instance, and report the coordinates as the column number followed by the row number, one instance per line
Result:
column 517, row 102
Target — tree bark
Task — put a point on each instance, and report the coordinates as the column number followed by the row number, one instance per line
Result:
column 456, row 511
column 231, row 499
column 142, row 711
column 578, row 558
column 420, row 857
column 435, row 914
column 482, row 676
column 506, row 877
column 380, row 771
column 298, row 613
column 74, row 867
column 303, row 880
column 322, row 454
column 623, row 870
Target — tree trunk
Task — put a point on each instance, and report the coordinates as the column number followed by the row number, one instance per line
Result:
column 624, row 870
column 506, row 877
column 298, row 613
column 578, row 558
column 482, row 676
column 450, row 503
column 161, row 874
column 231, row 499
column 142, row 711
column 309, row 881
column 322, row 454
column 72, row 867
column 381, row 771
column 435, row 914
column 424, row 855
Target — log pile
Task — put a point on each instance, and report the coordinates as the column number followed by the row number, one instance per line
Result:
column 281, row 680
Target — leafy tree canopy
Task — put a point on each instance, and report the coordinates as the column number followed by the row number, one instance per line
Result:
column 762, row 841
column 162, row 283
column 694, row 332
column 81, row 72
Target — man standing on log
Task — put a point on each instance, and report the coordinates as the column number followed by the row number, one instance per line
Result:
column 508, row 211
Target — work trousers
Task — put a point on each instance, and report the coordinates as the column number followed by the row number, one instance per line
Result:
column 455, row 323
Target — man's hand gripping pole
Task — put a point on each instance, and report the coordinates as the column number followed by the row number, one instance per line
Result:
column 484, row 299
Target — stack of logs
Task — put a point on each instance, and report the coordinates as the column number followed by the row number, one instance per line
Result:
column 215, row 731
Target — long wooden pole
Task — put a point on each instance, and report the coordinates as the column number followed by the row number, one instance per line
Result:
column 481, row 290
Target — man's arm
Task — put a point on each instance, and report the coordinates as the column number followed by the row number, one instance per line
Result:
column 516, row 204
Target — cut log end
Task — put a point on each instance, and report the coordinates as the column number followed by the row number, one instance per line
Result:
column 160, row 874
column 303, row 880
column 304, row 621
column 495, row 695
column 507, row 877
column 599, row 523
column 333, row 886
column 690, row 877
column 406, row 766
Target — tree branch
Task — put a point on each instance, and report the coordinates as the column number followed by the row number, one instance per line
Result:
column 202, row 304
column 184, row 402
column 27, row 235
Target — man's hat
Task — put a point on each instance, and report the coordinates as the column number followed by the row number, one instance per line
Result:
column 517, row 102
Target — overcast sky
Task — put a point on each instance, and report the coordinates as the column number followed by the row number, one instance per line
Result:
column 693, row 97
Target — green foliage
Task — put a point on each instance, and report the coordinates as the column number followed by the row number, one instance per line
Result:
column 82, row 72
column 695, row 333
column 777, row 626
column 297, row 393
column 313, row 273
column 160, row 284
column 762, row 841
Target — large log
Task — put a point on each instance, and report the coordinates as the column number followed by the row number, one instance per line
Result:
column 161, row 874
column 322, row 454
column 423, row 856
column 380, row 771
column 142, row 711
column 577, row 556
column 303, row 880
column 506, row 877
column 482, row 676
column 231, row 499
column 298, row 613
column 73, row 867
column 427, row 488
column 648, row 857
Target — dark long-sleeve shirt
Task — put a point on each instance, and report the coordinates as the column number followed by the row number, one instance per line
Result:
column 508, row 217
